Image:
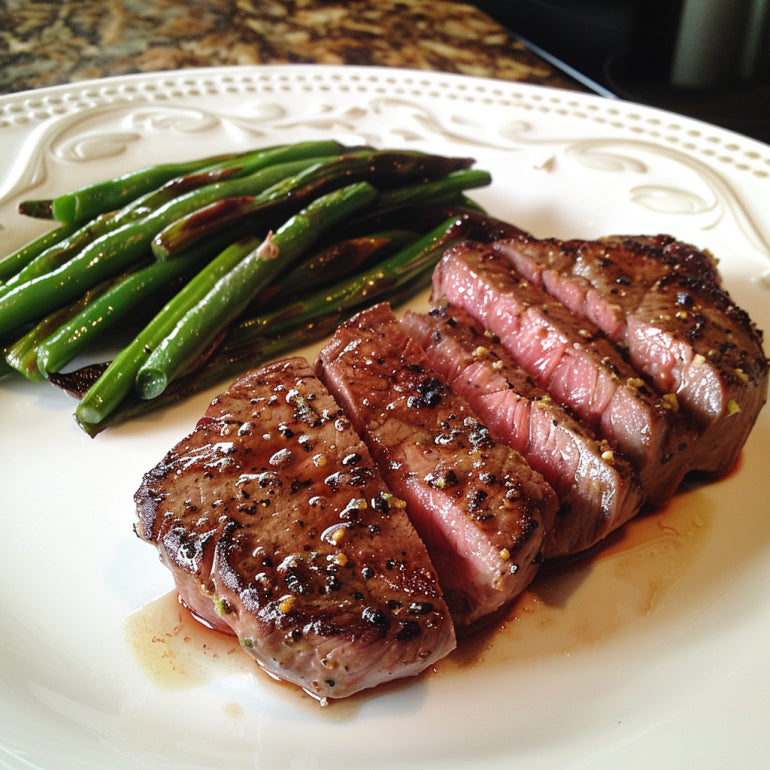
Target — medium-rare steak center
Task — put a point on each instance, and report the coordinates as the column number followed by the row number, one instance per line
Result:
column 663, row 301
column 597, row 489
column 480, row 508
column 574, row 362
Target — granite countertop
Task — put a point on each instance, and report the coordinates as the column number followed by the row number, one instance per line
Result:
column 63, row 41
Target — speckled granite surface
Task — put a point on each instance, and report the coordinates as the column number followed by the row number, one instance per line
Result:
column 62, row 41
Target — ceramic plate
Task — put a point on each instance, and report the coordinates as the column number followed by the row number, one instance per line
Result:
column 650, row 652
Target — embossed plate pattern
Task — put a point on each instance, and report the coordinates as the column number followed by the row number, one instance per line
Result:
column 664, row 664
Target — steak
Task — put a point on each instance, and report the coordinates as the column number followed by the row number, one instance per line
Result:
column 477, row 504
column 574, row 362
column 278, row 528
column 598, row 490
column 663, row 300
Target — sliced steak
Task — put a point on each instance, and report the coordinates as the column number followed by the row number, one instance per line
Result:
column 573, row 361
column 598, row 490
column 277, row 527
column 477, row 504
column 662, row 300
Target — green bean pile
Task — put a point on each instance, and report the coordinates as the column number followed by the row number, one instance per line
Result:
column 220, row 264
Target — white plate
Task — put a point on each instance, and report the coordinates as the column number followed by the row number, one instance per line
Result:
column 652, row 653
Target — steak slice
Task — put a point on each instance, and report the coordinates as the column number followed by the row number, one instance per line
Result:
column 477, row 504
column 278, row 528
column 574, row 362
column 598, row 490
column 662, row 300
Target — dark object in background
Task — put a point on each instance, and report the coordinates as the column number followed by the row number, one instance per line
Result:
column 709, row 59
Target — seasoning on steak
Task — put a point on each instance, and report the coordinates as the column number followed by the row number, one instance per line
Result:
column 574, row 362
column 662, row 300
column 278, row 528
column 597, row 489
column 477, row 504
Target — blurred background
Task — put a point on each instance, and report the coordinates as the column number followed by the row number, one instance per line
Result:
column 709, row 59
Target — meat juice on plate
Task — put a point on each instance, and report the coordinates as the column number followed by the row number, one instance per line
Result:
column 570, row 606
column 588, row 600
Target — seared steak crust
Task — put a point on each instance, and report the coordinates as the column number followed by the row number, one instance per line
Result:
column 278, row 528
column 597, row 489
column 573, row 361
column 476, row 503
column 662, row 300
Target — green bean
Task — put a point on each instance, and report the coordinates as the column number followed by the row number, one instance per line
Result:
column 118, row 379
column 125, row 299
column 393, row 273
column 22, row 354
column 468, row 203
column 79, row 237
column 225, row 301
column 226, row 211
column 37, row 209
column 332, row 263
column 245, row 165
column 74, row 239
column 17, row 260
column 116, row 251
column 384, row 168
column 441, row 190
column 62, row 251
column 5, row 367
column 94, row 199
column 31, row 300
